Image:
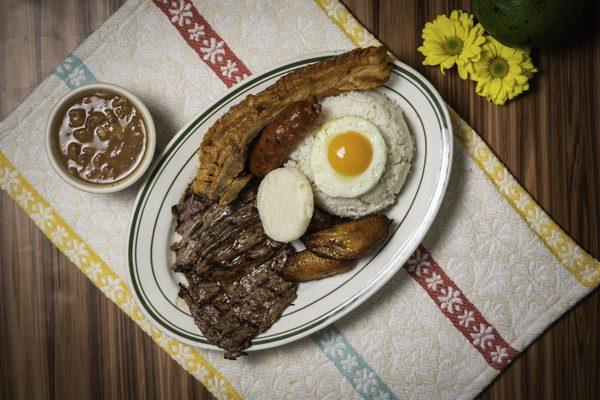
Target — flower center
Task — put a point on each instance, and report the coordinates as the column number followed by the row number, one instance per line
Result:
column 453, row 45
column 498, row 67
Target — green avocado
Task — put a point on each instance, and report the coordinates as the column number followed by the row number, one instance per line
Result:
column 527, row 23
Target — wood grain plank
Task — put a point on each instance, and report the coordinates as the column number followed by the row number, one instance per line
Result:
column 549, row 141
column 61, row 338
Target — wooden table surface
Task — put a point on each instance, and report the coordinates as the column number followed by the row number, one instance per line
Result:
column 61, row 338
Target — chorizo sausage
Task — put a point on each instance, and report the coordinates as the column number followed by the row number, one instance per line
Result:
column 279, row 137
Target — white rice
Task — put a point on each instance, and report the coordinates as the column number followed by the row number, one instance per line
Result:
column 387, row 116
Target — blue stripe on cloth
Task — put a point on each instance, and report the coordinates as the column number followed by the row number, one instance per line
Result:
column 74, row 72
column 351, row 365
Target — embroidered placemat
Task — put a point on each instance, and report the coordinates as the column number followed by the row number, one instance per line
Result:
column 491, row 275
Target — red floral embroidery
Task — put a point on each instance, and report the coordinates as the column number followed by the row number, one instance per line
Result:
column 463, row 314
column 209, row 46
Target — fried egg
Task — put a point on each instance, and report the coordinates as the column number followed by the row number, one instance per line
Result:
column 348, row 157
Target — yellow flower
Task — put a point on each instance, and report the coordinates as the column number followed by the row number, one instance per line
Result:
column 503, row 72
column 453, row 40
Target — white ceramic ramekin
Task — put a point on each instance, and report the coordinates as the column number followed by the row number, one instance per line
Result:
column 51, row 135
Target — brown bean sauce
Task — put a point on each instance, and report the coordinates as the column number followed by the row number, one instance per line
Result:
column 101, row 138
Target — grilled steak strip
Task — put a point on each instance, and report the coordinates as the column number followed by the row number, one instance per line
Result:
column 234, row 270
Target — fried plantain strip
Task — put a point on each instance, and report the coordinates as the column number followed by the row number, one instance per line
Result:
column 307, row 266
column 351, row 239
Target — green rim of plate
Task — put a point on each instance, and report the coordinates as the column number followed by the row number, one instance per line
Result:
column 176, row 144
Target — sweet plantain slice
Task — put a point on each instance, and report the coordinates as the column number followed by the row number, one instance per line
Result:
column 307, row 266
column 351, row 239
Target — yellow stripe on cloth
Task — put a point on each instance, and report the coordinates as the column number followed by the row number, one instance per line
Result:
column 81, row 254
column 579, row 263
column 341, row 17
column 584, row 268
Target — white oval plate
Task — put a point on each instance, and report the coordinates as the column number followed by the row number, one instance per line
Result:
column 319, row 303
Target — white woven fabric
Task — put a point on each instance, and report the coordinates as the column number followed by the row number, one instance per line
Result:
column 485, row 247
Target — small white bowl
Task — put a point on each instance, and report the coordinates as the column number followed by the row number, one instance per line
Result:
column 58, row 113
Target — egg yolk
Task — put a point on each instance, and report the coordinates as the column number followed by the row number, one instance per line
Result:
column 350, row 153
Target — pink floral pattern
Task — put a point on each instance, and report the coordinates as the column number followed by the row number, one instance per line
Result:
column 201, row 37
column 463, row 314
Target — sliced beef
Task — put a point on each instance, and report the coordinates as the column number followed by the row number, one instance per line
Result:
column 235, row 288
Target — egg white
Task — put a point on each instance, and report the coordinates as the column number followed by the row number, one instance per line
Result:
column 332, row 182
